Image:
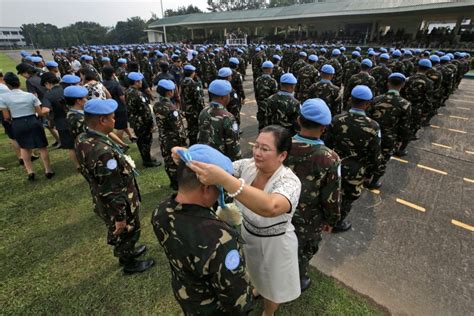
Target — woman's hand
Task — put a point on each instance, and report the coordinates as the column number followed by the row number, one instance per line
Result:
column 209, row 174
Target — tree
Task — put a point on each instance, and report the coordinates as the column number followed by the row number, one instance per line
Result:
column 285, row 3
column 130, row 31
column 231, row 5
column 183, row 11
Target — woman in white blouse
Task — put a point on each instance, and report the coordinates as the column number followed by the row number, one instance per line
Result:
column 267, row 194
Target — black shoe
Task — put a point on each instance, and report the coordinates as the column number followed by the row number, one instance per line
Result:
column 342, row 226
column 136, row 266
column 151, row 164
column 305, row 283
column 21, row 162
column 414, row 137
column 401, row 153
column 374, row 184
column 140, row 250
column 31, row 177
column 133, row 139
column 49, row 175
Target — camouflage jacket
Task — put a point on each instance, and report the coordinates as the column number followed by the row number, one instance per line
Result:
column 392, row 113
column 218, row 129
column 237, row 84
column 170, row 120
column 436, row 76
column 362, row 78
column 277, row 73
column 380, row 74
column 265, row 86
column 111, row 178
column 398, row 65
column 409, row 67
column 351, row 68
column 208, row 274
column 418, row 90
column 318, row 168
column 356, row 138
column 449, row 77
column 283, row 109
column 192, row 95
column 324, row 89
column 139, row 111
column 177, row 72
column 339, row 71
column 296, row 66
column 121, row 75
column 306, row 77
column 75, row 119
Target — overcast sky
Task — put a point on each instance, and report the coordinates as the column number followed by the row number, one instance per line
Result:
column 65, row 12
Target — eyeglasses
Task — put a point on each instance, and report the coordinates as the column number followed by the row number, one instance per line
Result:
column 262, row 149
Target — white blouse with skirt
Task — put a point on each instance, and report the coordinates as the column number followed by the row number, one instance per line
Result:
column 271, row 246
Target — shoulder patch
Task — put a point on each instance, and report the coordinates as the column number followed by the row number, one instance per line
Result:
column 235, row 127
column 339, row 171
column 232, row 259
column 111, row 164
column 175, row 113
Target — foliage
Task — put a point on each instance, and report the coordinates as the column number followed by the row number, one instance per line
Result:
column 231, row 5
column 183, row 11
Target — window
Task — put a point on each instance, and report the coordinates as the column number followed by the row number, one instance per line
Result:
column 6, row 33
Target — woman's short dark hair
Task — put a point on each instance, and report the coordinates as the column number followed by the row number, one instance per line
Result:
column 107, row 72
column 12, row 80
column 132, row 66
column 305, row 123
column 71, row 101
column 282, row 137
column 89, row 75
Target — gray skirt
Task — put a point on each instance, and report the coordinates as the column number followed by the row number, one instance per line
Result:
column 29, row 132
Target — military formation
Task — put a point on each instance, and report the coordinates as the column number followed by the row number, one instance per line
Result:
column 348, row 116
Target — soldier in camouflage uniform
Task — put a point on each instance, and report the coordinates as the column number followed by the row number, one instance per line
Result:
column 257, row 61
column 89, row 66
column 217, row 127
column 392, row 113
column 320, row 200
column 171, row 127
column 146, row 68
column 351, row 67
column 381, row 73
column 177, row 70
column 307, row 76
column 235, row 103
column 140, row 118
column 448, row 78
column 397, row 65
column 356, row 139
column 215, row 281
column 362, row 78
column 409, row 66
column 418, row 90
column 337, row 67
column 211, row 70
column 282, row 108
column 122, row 72
column 325, row 90
column 114, row 189
column 236, row 80
column 277, row 69
column 192, row 98
column 300, row 63
column 265, row 86
column 436, row 75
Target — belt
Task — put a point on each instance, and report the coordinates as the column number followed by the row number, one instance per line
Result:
column 277, row 229
column 24, row 117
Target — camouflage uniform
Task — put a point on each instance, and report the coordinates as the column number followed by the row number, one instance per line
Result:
column 197, row 244
column 237, row 85
column 257, row 62
column 76, row 122
column 380, row 74
column 218, row 129
column 418, row 90
column 356, row 139
column 283, row 109
column 362, row 78
column 177, row 72
column 171, row 127
column 409, row 67
column 398, row 65
column 318, row 168
column 114, row 190
column 296, row 66
column 447, row 83
column 392, row 113
column 211, row 71
column 121, row 75
column 351, row 68
column 192, row 98
column 306, row 77
column 324, row 89
column 436, row 76
column 141, row 120
column 265, row 86
column 277, row 73
column 147, row 69
column 339, row 71
column 91, row 68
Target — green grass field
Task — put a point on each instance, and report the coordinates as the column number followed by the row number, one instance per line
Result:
column 7, row 64
column 55, row 259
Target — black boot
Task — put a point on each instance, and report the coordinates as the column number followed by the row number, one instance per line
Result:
column 305, row 283
column 402, row 151
column 342, row 226
column 374, row 184
column 136, row 266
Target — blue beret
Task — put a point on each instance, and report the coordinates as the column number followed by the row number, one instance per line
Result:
column 450, row 55
column 100, row 107
column 367, row 62
column 257, row 49
column 384, row 56
column 440, row 53
column 122, row 61
column 224, row 72
column 70, row 79
column 267, row 64
column 425, row 63
column 28, row 57
column 408, row 53
column 435, row 58
column 362, row 92
column 445, row 58
column 328, row 69
column 24, row 53
column 75, row 92
column 135, row 76
column 397, row 75
column 336, row 52
column 166, row 84
column 303, row 54
column 194, row 53
column 342, row 49
column 202, row 50
column 397, row 53
column 174, row 56
column 313, row 58
column 417, row 51
column 239, row 51
column 277, row 57
column 36, row 59
column 105, row 59
column 356, row 53
column 234, row 60
column 51, row 64
column 324, row 50
column 288, row 78
column 316, row 110
column 87, row 57
column 383, row 50
column 189, row 67
column 159, row 54
column 145, row 52
column 220, row 87
column 358, row 48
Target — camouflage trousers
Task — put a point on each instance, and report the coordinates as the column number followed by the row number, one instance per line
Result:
column 235, row 111
column 309, row 237
column 352, row 183
column 144, row 141
column 193, row 126
column 416, row 117
column 261, row 114
column 167, row 142
column 388, row 146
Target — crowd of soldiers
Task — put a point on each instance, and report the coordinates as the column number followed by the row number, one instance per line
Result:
column 378, row 100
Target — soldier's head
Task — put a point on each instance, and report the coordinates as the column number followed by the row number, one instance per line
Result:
column 164, row 66
column 76, row 96
column 189, row 71
column 365, row 65
column 52, row 66
column 99, row 114
column 327, row 72
column 424, row 65
column 314, row 117
column 288, row 82
column 271, row 148
column 276, row 59
column 312, row 59
column 225, row 73
column 165, row 88
column 267, row 67
column 219, row 91
column 233, row 63
column 396, row 81
column 361, row 97
column 190, row 188
column 135, row 79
